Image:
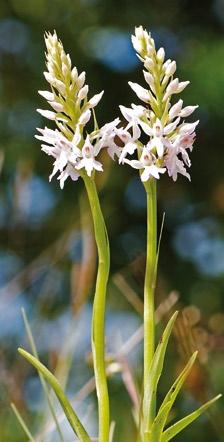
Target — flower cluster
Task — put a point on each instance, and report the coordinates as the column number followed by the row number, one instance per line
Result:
column 75, row 151
column 72, row 149
column 170, row 138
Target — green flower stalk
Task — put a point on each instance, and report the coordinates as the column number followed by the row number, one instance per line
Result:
column 149, row 288
column 98, row 334
column 169, row 140
column 74, row 151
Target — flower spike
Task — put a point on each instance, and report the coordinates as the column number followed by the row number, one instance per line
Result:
column 170, row 138
column 72, row 149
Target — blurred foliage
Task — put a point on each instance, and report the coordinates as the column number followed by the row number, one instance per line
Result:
column 43, row 262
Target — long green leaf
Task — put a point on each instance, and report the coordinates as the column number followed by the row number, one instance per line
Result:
column 154, row 374
column 176, row 428
column 68, row 410
column 176, row 387
column 159, row 422
column 43, row 382
column 22, row 423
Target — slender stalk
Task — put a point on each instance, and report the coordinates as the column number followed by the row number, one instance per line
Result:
column 98, row 318
column 149, row 307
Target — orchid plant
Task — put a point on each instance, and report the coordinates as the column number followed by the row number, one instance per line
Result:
column 75, row 144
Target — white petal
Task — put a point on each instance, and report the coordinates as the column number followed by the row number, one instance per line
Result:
column 145, row 174
column 128, row 149
column 136, row 132
column 77, row 136
column 47, row 114
column 171, row 127
column 114, row 150
column 158, row 144
column 89, row 165
column 155, row 171
column 141, row 93
column 126, row 112
column 188, row 128
column 134, row 163
column 98, row 166
column 147, row 129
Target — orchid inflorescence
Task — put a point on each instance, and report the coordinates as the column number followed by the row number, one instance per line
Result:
column 74, row 148
column 71, row 148
column 169, row 137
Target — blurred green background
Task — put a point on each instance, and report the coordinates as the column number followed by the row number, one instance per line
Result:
column 47, row 251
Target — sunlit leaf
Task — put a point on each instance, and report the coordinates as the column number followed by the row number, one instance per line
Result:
column 176, row 387
column 159, row 422
column 154, row 374
column 176, row 428
column 67, row 407
column 44, row 385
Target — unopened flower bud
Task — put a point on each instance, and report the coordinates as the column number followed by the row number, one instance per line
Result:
column 188, row 110
column 170, row 69
column 49, row 77
column 141, row 93
column 58, row 84
column 81, row 79
column 85, row 117
column 95, row 99
column 65, row 70
column 160, row 55
column 175, row 109
column 83, row 92
column 49, row 96
column 58, row 107
column 74, row 74
column 47, row 114
column 182, row 85
column 149, row 78
column 148, row 63
column 172, row 87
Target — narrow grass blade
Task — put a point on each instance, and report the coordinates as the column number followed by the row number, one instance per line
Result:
column 176, row 387
column 150, row 388
column 68, row 410
column 22, row 423
column 176, row 428
column 111, row 434
column 44, row 385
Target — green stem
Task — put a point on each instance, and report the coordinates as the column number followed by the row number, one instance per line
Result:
column 98, row 318
column 149, row 308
